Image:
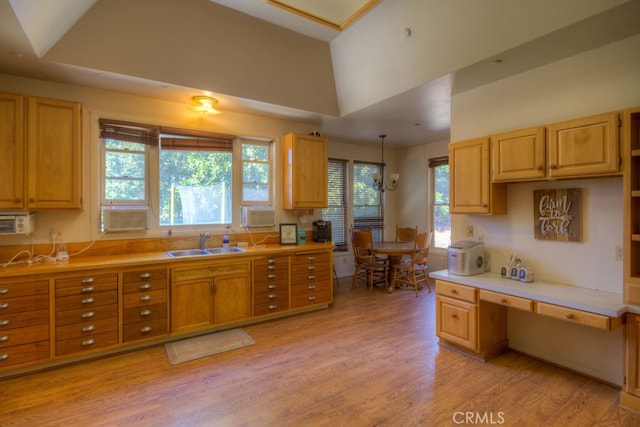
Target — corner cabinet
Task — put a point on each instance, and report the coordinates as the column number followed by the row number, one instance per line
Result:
column 305, row 174
column 41, row 142
column 471, row 190
column 631, row 192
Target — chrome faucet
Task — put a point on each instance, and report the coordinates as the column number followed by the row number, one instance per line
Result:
column 203, row 240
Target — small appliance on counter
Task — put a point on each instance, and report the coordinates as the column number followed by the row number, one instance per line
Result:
column 465, row 258
column 321, row 231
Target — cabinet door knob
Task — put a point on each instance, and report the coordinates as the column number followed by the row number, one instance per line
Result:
column 552, row 166
column 454, row 316
column 504, row 301
column 569, row 316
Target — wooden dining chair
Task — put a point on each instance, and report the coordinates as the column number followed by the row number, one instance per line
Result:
column 414, row 273
column 367, row 266
column 406, row 234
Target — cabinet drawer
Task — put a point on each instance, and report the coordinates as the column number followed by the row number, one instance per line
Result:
column 310, row 287
column 311, row 258
column 94, row 342
column 88, row 289
column 578, row 316
column 87, row 280
column 24, row 318
column 145, row 286
column 21, row 354
column 310, row 276
column 280, row 285
column 12, row 290
column 140, row 314
column 453, row 290
column 85, row 329
column 145, row 329
column 207, row 270
column 143, row 276
column 145, row 298
column 271, row 264
column 271, row 276
column 270, row 307
column 508, row 300
column 79, row 301
column 456, row 322
column 317, row 297
column 267, row 297
column 25, row 303
column 87, row 314
column 19, row 336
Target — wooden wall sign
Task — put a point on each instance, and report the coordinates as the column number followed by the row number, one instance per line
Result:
column 557, row 214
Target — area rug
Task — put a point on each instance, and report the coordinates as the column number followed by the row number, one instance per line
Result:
column 207, row 345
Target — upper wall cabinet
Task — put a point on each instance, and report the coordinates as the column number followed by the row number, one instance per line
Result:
column 13, row 152
column 470, row 188
column 305, row 173
column 584, row 147
column 519, row 155
column 631, row 190
column 41, row 165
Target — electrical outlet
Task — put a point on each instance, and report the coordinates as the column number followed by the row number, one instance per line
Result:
column 469, row 230
column 55, row 234
column 618, row 253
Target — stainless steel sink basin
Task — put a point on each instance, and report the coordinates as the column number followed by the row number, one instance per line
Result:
column 208, row 251
column 187, row 252
column 230, row 250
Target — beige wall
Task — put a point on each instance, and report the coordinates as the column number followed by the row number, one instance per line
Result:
column 596, row 81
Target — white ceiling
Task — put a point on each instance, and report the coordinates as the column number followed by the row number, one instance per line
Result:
column 29, row 28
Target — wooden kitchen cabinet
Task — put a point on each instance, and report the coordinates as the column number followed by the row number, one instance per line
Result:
column 630, row 394
column 519, row 155
column 305, row 171
column 470, row 188
column 270, row 285
column 41, row 142
column 584, row 147
column 145, row 303
column 311, row 279
column 631, row 215
column 211, row 293
column 12, row 160
column 466, row 323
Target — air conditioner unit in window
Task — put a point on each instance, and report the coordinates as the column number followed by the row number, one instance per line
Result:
column 258, row 216
column 125, row 218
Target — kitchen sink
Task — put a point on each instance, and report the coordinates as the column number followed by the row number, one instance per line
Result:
column 199, row 252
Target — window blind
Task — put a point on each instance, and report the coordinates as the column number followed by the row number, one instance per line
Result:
column 368, row 203
column 336, row 211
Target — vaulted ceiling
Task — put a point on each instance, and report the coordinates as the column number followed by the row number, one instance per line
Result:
column 392, row 70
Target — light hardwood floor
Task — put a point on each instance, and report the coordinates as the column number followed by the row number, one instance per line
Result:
column 369, row 360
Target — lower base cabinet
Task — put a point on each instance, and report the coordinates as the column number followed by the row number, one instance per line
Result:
column 630, row 394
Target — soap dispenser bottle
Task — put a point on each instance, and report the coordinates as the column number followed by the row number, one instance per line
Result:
column 225, row 238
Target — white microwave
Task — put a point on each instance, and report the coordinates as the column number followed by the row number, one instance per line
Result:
column 17, row 223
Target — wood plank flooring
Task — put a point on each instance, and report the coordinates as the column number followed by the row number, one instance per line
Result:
column 367, row 361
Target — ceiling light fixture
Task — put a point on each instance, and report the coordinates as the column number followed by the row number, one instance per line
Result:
column 205, row 104
column 378, row 180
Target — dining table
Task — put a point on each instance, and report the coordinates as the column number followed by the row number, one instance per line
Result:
column 394, row 251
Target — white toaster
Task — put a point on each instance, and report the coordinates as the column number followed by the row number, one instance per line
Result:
column 465, row 258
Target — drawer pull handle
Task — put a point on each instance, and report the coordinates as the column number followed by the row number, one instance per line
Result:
column 88, row 280
column 88, row 289
column 4, row 356
column 311, row 258
column 145, row 313
column 145, row 276
column 145, row 287
column 271, row 261
column 272, row 276
column 271, row 267
column 311, row 287
column 88, row 301
column 4, row 338
column 4, row 305
column 273, row 307
column 271, row 296
column 454, row 316
column 145, row 298
column 146, row 330
column 311, row 277
column 311, row 267
column 88, row 315
column 504, row 301
column 4, row 322
column 569, row 316
column 4, row 291
column 90, row 341
column 272, row 286
column 312, row 298
column 89, row 328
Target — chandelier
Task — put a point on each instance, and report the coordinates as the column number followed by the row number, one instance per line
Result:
column 378, row 180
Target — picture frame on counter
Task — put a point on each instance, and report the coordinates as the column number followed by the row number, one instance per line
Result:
column 288, row 234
